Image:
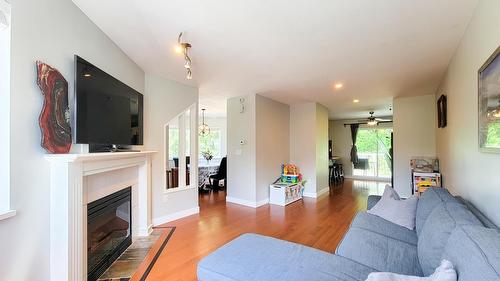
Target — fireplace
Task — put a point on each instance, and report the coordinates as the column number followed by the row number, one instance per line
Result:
column 109, row 231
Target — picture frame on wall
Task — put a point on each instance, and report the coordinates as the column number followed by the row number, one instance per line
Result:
column 489, row 104
column 442, row 108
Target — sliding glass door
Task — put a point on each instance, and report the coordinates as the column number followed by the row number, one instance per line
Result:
column 374, row 154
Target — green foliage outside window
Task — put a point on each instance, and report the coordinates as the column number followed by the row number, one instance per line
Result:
column 368, row 139
column 493, row 138
column 210, row 142
column 173, row 142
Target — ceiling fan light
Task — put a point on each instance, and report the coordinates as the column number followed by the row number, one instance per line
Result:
column 372, row 123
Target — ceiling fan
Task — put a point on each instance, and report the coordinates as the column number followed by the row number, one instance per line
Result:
column 371, row 121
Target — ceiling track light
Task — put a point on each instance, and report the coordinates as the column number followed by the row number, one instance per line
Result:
column 183, row 47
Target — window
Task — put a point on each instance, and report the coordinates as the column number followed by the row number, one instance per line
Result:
column 5, row 211
column 374, row 154
column 211, row 143
column 181, row 170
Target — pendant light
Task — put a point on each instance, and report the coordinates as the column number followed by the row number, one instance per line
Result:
column 203, row 129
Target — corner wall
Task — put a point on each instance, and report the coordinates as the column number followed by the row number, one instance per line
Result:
column 273, row 145
column 254, row 165
column 322, row 161
column 309, row 145
column 414, row 128
column 241, row 157
column 466, row 171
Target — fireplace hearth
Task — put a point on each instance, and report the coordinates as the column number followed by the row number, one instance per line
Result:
column 109, row 231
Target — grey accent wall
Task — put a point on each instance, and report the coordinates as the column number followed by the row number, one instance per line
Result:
column 272, row 142
column 164, row 100
column 51, row 31
column 309, row 145
column 414, row 135
column 466, row 171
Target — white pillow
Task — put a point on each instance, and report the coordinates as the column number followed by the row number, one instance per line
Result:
column 445, row 272
column 391, row 208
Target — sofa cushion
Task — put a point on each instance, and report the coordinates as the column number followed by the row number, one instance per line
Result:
column 475, row 253
column 436, row 231
column 400, row 212
column 376, row 224
column 380, row 252
column 257, row 257
column 431, row 198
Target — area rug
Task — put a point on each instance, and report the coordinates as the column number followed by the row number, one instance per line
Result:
column 138, row 260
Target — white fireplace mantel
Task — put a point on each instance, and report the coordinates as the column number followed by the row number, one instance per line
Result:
column 68, row 205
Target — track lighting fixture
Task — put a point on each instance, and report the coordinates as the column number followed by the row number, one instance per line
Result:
column 183, row 48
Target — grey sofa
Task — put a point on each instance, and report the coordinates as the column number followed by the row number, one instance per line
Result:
column 446, row 228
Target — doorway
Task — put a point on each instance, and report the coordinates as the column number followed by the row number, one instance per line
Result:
column 374, row 153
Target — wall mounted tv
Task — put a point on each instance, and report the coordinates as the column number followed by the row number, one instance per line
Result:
column 108, row 112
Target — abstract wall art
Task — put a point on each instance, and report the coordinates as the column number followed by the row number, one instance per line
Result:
column 54, row 118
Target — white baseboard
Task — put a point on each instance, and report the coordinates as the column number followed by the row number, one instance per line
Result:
column 247, row 203
column 316, row 194
column 368, row 178
column 175, row 216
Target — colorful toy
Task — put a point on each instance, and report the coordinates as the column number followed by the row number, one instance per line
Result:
column 290, row 173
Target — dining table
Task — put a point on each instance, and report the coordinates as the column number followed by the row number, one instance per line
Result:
column 205, row 170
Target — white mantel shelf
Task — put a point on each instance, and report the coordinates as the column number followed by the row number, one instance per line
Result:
column 77, row 157
column 68, row 204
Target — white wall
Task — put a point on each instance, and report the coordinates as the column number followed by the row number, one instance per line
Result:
column 5, row 109
column 466, row 171
column 272, row 143
column 51, row 31
column 309, row 145
column 164, row 100
column 241, row 158
column 414, row 135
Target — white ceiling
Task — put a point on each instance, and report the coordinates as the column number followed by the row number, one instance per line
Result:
column 292, row 50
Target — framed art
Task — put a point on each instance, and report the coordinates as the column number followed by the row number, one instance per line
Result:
column 489, row 104
column 441, row 107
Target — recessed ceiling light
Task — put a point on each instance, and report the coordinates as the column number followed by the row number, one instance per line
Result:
column 339, row 86
column 355, row 101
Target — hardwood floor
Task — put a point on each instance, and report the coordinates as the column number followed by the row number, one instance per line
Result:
column 319, row 223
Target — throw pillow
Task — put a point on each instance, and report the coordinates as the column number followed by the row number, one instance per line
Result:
column 400, row 212
column 390, row 192
column 445, row 272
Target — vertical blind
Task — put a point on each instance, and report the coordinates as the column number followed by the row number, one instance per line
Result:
column 4, row 14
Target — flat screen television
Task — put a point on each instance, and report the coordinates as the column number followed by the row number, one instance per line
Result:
column 108, row 112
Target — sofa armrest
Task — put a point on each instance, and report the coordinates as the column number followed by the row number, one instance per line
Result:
column 372, row 200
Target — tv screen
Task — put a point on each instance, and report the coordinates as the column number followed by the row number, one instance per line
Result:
column 107, row 111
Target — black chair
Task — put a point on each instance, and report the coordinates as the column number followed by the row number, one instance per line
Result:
column 176, row 161
column 220, row 176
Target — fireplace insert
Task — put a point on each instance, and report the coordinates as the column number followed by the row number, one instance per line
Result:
column 109, row 231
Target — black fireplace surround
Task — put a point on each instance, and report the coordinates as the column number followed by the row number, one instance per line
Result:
column 109, row 231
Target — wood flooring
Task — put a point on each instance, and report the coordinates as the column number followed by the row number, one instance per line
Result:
column 319, row 223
